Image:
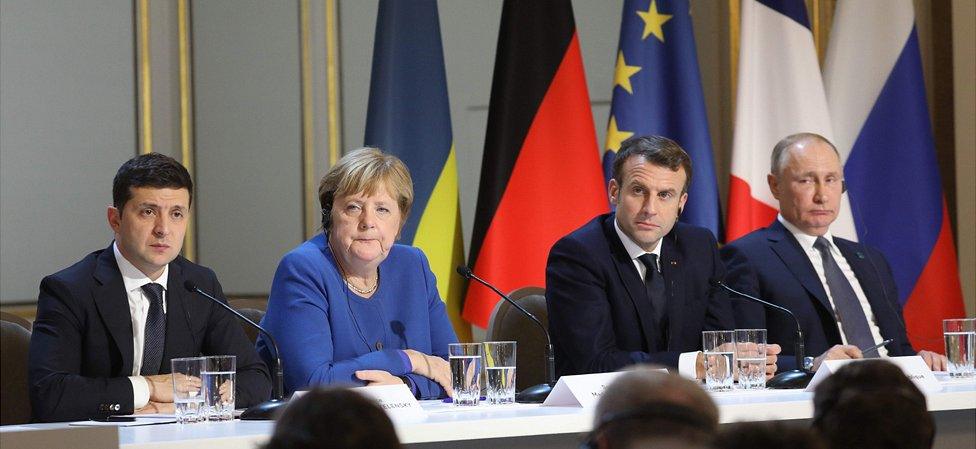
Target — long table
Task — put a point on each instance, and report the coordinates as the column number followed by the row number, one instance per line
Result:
column 519, row 425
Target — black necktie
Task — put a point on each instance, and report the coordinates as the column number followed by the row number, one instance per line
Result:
column 155, row 335
column 654, row 283
column 848, row 308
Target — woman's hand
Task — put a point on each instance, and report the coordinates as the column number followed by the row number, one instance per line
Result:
column 431, row 367
column 375, row 377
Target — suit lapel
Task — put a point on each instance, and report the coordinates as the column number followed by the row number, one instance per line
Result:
column 176, row 317
column 112, row 302
column 788, row 249
column 672, row 270
column 631, row 281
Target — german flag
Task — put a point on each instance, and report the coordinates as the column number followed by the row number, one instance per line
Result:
column 540, row 175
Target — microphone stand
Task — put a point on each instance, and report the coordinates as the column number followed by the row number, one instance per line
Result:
column 792, row 379
column 536, row 393
column 268, row 409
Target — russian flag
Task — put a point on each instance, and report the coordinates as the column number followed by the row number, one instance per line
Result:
column 876, row 95
column 780, row 92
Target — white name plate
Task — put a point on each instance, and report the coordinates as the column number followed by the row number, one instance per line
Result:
column 913, row 367
column 397, row 401
column 582, row 390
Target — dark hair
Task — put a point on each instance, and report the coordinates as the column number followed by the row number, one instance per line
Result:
column 647, row 405
column 872, row 404
column 656, row 150
column 333, row 418
column 768, row 435
column 149, row 170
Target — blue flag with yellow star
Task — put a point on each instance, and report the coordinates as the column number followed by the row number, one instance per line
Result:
column 657, row 90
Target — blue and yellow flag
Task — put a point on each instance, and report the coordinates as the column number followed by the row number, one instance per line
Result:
column 409, row 116
column 657, row 90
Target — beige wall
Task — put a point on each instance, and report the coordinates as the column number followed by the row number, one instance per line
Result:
column 964, row 83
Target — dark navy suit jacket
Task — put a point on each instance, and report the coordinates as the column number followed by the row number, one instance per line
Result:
column 770, row 264
column 600, row 316
column 81, row 346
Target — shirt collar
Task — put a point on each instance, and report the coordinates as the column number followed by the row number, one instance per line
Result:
column 806, row 240
column 131, row 276
column 633, row 249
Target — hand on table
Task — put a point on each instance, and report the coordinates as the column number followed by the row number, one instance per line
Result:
column 375, row 377
column 157, row 408
column 838, row 352
column 431, row 367
column 935, row 361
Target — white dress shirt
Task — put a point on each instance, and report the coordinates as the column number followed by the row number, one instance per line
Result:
column 806, row 243
column 138, row 312
column 687, row 360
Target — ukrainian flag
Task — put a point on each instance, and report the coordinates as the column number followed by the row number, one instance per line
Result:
column 409, row 116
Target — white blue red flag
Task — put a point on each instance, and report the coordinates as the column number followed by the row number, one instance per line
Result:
column 876, row 96
column 780, row 92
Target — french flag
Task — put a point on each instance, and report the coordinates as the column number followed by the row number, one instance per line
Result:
column 876, row 97
column 780, row 92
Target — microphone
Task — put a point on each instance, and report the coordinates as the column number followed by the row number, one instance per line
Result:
column 265, row 410
column 797, row 378
column 536, row 393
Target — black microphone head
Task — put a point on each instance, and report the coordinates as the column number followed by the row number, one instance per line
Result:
column 464, row 271
column 715, row 282
column 189, row 285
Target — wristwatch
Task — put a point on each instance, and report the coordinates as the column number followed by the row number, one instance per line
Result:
column 808, row 363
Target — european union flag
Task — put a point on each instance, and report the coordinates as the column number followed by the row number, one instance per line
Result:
column 657, row 90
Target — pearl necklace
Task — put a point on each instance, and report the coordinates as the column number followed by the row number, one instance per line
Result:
column 345, row 277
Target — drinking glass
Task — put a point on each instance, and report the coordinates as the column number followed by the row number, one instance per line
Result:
column 719, row 350
column 219, row 377
column 750, row 358
column 960, row 342
column 465, row 361
column 500, row 371
column 187, row 394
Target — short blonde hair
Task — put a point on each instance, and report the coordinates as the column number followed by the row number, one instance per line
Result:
column 366, row 170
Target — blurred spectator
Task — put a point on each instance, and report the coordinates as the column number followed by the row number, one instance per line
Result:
column 872, row 405
column 333, row 418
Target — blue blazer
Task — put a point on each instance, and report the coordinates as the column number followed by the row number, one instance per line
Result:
column 326, row 332
column 769, row 264
column 599, row 314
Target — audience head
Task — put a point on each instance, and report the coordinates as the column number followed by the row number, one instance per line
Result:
column 649, row 188
column 871, row 404
column 333, row 418
column 646, row 407
column 151, row 197
column 768, row 435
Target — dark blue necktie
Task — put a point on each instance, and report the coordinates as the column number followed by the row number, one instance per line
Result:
column 848, row 308
column 656, row 292
column 155, row 335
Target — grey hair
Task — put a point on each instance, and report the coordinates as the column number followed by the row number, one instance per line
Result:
column 778, row 159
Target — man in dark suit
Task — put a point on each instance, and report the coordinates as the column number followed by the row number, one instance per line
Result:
column 108, row 325
column 633, row 286
column 842, row 292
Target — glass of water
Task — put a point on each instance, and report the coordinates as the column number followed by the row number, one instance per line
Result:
column 187, row 389
column 960, row 342
column 750, row 358
column 500, row 371
column 465, row 360
column 219, row 377
column 719, row 351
